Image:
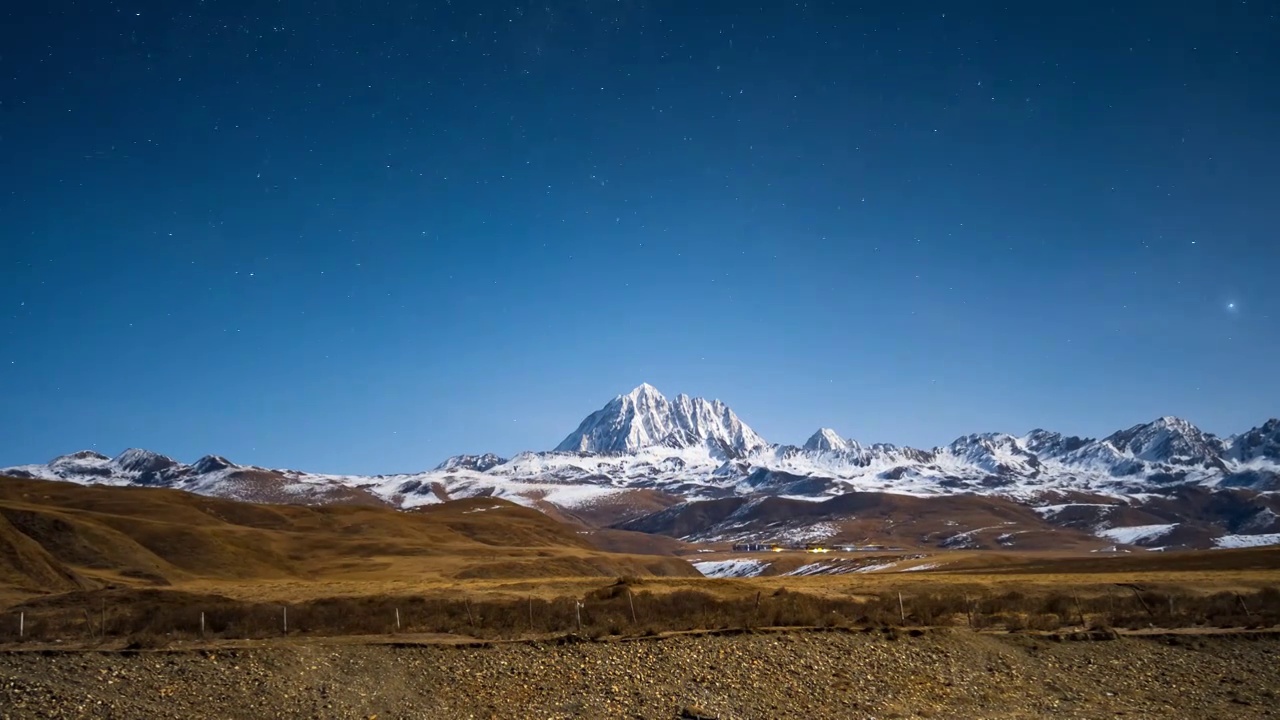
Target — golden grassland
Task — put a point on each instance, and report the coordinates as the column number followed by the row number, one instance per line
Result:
column 60, row 537
column 84, row 562
column 972, row 571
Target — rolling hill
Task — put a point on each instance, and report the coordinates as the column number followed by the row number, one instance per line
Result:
column 58, row 536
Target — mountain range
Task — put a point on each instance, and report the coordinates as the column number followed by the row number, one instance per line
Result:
column 643, row 457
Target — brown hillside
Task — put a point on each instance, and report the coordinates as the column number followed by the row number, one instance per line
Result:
column 27, row 565
column 628, row 541
column 623, row 506
column 58, row 536
column 950, row 521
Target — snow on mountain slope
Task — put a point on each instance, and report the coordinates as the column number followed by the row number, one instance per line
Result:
column 1048, row 445
column 990, row 463
column 479, row 463
column 695, row 449
column 1247, row 541
column 731, row 568
column 1166, row 442
column 1261, row 444
column 828, row 440
column 143, row 461
column 993, row 453
column 644, row 418
column 1138, row 533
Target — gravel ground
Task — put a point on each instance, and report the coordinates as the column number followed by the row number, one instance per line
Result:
column 948, row 674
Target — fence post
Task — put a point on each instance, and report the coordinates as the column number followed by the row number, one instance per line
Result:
column 1246, row 607
column 470, row 618
column 22, row 624
column 577, row 608
column 631, row 601
column 901, row 609
column 397, row 618
column 201, row 623
column 286, row 619
column 1144, row 604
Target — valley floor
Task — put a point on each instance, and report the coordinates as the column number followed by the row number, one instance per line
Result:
column 837, row 674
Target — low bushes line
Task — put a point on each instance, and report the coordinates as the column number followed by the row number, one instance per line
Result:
column 152, row 618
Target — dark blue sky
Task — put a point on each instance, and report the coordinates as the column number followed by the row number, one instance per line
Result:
column 366, row 236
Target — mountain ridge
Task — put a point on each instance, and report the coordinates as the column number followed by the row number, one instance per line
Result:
column 692, row 449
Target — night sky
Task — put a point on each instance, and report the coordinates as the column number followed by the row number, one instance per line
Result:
column 361, row 237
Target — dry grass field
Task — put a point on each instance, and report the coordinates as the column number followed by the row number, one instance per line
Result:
column 100, row 565
column 63, row 537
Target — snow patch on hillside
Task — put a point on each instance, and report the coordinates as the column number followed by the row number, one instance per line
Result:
column 730, row 568
column 1050, row 511
column 1246, row 541
column 839, row 567
column 1136, row 534
column 810, row 533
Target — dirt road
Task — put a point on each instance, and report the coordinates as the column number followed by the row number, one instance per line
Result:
column 942, row 674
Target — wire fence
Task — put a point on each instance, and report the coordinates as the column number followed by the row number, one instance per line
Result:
column 153, row 618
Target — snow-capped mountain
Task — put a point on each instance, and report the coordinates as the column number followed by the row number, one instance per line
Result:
column 479, row 463
column 1048, row 445
column 828, row 440
column 644, row 418
column 133, row 466
column 1258, row 444
column 995, row 454
column 690, row 450
column 1169, row 440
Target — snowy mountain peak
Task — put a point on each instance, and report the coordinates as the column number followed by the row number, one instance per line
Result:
column 478, row 463
column 645, row 418
column 694, row 449
column 142, row 461
column 80, row 456
column 212, row 463
column 984, row 440
column 85, row 462
column 1169, row 440
column 995, row 453
column 643, row 390
column 828, row 440
column 1049, row 444
column 1260, row 443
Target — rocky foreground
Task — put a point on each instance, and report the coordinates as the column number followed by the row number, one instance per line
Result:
column 803, row 675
